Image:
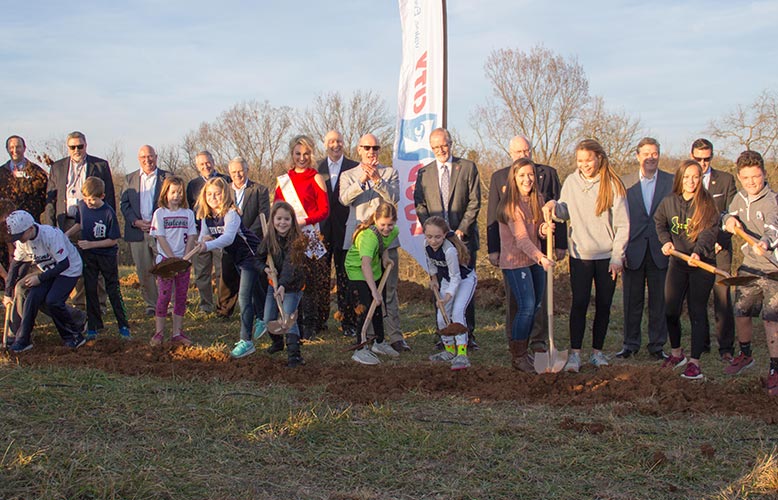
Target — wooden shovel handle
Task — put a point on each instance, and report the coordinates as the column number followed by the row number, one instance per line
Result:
column 702, row 265
column 442, row 309
column 374, row 304
column 190, row 253
column 746, row 237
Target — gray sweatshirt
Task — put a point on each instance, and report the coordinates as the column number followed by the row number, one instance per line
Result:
column 759, row 216
column 591, row 237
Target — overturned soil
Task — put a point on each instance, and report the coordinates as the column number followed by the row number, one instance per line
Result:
column 632, row 389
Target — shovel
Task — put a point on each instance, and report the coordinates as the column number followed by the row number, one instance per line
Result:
column 6, row 324
column 370, row 312
column 450, row 328
column 752, row 242
column 552, row 361
column 282, row 325
column 728, row 279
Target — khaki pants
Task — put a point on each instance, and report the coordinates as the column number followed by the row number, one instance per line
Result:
column 207, row 266
column 144, row 255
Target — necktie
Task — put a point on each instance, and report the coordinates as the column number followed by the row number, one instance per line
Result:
column 444, row 187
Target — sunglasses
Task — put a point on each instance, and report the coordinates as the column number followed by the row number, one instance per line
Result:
column 369, row 148
column 702, row 160
column 76, row 146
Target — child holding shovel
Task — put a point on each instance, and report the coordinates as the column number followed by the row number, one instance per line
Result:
column 755, row 211
column 173, row 226
column 363, row 267
column 522, row 262
column 453, row 283
column 687, row 221
column 221, row 227
column 286, row 277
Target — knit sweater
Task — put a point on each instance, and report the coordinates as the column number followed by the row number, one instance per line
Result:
column 759, row 216
column 313, row 197
column 519, row 240
column 592, row 237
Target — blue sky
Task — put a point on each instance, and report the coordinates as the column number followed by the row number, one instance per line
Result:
column 137, row 72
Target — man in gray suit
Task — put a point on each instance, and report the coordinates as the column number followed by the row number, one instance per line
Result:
column 451, row 188
column 362, row 189
column 251, row 199
column 645, row 265
column 139, row 200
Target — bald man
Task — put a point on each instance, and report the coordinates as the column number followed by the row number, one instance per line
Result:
column 549, row 186
column 139, row 200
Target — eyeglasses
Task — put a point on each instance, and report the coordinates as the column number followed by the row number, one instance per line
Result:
column 76, row 146
column 702, row 160
column 442, row 147
column 369, row 148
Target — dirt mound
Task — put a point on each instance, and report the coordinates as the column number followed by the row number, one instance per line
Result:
column 641, row 389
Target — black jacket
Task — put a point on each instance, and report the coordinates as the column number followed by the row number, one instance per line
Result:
column 672, row 219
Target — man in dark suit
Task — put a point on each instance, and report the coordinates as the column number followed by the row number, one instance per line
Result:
column 721, row 186
column 138, row 202
column 645, row 265
column 251, row 199
column 333, row 228
column 549, row 186
column 22, row 181
column 63, row 193
column 206, row 263
column 451, row 188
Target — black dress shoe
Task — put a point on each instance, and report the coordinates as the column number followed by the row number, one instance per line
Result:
column 625, row 353
column 400, row 346
column 658, row 355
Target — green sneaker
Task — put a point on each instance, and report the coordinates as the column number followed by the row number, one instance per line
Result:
column 242, row 349
column 259, row 329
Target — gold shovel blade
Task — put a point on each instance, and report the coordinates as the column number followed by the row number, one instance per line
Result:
column 552, row 361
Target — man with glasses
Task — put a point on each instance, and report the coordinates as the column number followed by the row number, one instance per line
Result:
column 721, row 186
column 333, row 228
column 362, row 189
column 63, row 193
column 451, row 188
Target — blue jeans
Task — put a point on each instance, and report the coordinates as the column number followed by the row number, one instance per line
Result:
column 250, row 298
column 527, row 286
column 291, row 301
column 52, row 294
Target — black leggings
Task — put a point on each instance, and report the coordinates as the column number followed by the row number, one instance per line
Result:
column 582, row 274
column 694, row 284
column 362, row 292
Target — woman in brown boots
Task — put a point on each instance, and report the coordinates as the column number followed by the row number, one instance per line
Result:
column 522, row 262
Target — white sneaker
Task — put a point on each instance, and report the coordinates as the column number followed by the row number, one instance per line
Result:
column 442, row 356
column 460, row 362
column 573, row 363
column 598, row 359
column 385, row 349
column 365, row 357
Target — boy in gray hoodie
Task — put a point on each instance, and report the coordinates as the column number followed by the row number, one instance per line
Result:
column 755, row 210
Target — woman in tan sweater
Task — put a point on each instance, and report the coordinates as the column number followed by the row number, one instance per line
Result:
column 521, row 260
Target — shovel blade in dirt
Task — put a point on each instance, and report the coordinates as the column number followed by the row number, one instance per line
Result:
column 738, row 281
column 552, row 361
column 276, row 327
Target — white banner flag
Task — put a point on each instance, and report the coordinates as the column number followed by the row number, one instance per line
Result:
column 419, row 108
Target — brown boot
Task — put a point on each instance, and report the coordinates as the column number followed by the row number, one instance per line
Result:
column 520, row 357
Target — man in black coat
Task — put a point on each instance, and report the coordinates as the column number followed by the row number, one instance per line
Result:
column 251, row 199
column 333, row 228
column 549, row 186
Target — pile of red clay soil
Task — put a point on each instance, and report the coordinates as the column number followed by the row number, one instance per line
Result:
column 635, row 389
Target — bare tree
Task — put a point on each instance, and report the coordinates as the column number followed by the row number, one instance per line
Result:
column 616, row 131
column 365, row 112
column 538, row 94
column 253, row 130
column 170, row 157
column 753, row 127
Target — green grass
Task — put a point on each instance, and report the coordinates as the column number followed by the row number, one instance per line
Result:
column 80, row 433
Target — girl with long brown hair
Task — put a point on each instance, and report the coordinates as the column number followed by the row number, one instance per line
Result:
column 687, row 221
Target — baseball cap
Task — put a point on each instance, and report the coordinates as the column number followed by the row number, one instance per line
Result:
column 18, row 222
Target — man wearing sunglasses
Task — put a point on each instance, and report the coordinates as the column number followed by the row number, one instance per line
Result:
column 63, row 193
column 362, row 189
column 721, row 186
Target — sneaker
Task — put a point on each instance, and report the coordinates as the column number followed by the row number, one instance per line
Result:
column 442, row 356
column 771, row 384
column 182, row 339
column 259, row 329
column 727, row 358
column 365, row 357
column 157, row 339
column 460, row 362
column 573, row 363
column 76, row 342
column 91, row 334
column 385, row 349
column 124, row 333
column 598, row 359
column 18, row 347
column 295, row 361
column 242, row 349
column 401, row 346
column 692, row 372
column 472, row 345
column 740, row 363
column 675, row 362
